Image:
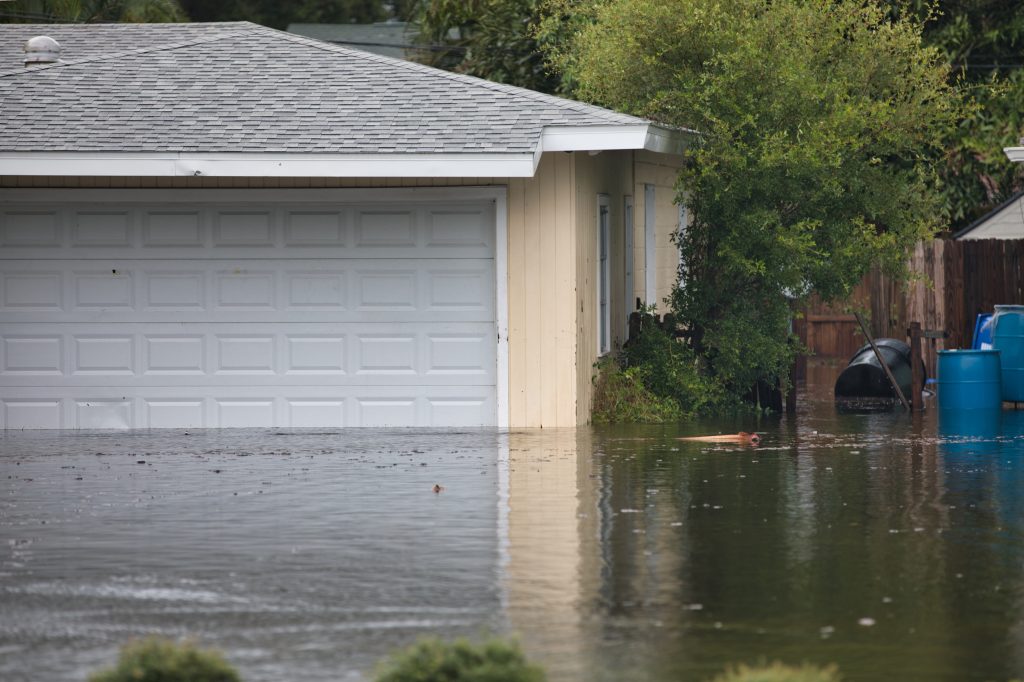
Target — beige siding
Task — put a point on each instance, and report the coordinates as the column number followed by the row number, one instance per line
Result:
column 608, row 173
column 660, row 170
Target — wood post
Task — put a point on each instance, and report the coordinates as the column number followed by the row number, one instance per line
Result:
column 916, row 370
column 881, row 361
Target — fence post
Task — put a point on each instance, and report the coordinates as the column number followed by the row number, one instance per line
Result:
column 917, row 376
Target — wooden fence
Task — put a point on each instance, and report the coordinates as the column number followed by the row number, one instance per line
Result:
column 952, row 282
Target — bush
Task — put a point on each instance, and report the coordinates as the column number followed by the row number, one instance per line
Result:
column 777, row 672
column 656, row 378
column 432, row 660
column 159, row 660
column 620, row 396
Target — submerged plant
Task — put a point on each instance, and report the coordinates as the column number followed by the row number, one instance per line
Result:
column 777, row 672
column 433, row 660
column 160, row 660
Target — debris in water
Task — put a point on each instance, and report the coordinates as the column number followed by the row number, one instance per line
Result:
column 866, row 622
column 140, row 461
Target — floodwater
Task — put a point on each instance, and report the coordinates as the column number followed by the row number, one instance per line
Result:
column 890, row 545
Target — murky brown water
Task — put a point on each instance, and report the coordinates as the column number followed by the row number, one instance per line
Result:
column 891, row 545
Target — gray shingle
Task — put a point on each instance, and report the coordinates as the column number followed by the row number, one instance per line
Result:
column 240, row 87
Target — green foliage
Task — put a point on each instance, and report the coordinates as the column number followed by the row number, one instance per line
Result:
column 157, row 660
column 432, row 660
column 492, row 39
column 620, row 397
column 655, row 379
column 278, row 14
column 983, row 40
column 93, row 11
column 817, row 122
column 777, row 672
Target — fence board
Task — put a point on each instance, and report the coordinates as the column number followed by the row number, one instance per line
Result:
column 954, row 282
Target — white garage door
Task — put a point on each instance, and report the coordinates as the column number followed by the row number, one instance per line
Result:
column 231, row 314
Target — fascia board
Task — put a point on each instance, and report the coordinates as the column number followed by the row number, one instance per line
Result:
column 145, row 164
column 647, row 136
column 1014, row 153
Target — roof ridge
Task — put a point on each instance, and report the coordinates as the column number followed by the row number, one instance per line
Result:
column 125, row 53
column 561, row 102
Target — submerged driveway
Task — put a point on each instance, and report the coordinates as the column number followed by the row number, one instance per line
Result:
column 301, row 555
column 891, row 545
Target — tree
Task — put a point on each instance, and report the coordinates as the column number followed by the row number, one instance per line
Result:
column 278, row 14
column 93, row 11
column 984, row 42
column 817, row 121
column 492, row 39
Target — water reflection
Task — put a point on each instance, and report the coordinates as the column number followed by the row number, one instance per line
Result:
column 890, row 544
column 884, row 542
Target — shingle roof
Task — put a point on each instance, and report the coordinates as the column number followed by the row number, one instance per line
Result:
column 240, row 87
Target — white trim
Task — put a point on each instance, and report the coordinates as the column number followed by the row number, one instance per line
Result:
column 1014, row 153
column 501, row 309
column 310, row 165
column 604, row 274
column 628, row 259
column 219, row 165
column 610, row 137
column 173, row 196
column 497, row 193
column 650, row 247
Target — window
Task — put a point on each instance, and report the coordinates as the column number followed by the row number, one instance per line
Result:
column 604, row 276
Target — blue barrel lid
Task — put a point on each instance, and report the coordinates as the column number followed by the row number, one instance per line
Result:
column 1010, row 308
column 972, row 351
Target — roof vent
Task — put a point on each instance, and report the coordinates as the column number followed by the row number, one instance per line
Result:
column 41, row 50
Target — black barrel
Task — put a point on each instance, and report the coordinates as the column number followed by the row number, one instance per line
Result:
column 865, row 378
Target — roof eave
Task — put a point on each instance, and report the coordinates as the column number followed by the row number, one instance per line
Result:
column 1014, row 153
column 282, row 165
column 649, row 136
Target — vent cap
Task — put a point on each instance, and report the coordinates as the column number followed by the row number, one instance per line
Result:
column 41, row 50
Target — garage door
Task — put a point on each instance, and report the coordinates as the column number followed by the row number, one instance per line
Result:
column 236, row 314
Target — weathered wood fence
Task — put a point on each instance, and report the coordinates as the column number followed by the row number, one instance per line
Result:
column 953, row 281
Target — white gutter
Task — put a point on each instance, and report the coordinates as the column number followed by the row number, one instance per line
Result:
column 188, row 164
column 1014, row 153
column 305, row 165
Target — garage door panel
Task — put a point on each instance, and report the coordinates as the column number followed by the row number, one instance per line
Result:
column 139, row 354
column 417, row 230
column 277, row 290
column 31, row 228
column 247, row 314
column 203, row 407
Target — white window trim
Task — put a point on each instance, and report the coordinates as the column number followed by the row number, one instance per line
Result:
column 628, row 259
column 650, row 247
column 604, row 274
column 497, row 193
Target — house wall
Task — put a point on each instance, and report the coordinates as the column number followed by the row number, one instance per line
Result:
column 552, row 261
column 1008, row 223
column 660, row 170
column 618, row 175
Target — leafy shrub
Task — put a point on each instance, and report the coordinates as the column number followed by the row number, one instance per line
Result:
column 160, row 660
column 655, row 379
column 432, row 660
column 777, row 672
column 620, row 396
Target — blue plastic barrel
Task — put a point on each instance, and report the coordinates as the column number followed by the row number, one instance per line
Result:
column 1008, row 338
column 969, row 380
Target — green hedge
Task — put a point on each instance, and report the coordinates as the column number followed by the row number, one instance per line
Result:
column 160, row 660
